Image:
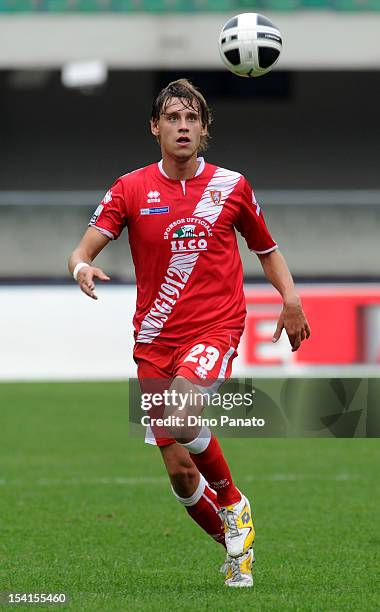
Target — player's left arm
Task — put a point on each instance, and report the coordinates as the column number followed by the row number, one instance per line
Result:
column 292, row 317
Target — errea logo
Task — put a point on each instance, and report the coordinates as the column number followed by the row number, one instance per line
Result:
column 201, row 372
column 153, row 196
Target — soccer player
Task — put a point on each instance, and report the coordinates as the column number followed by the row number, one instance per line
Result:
column 181, row 214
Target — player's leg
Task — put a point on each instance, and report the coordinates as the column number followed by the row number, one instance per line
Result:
column 208, row 456
column 204, row 448
column 203, row 508
column 192, row 491
column 188, row 485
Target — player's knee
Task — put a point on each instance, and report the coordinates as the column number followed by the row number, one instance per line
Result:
column 184, row 478
column 181, row 471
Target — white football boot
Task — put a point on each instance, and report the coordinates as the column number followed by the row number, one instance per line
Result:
column 225, row 565
column 239, row 572
column 238, row 527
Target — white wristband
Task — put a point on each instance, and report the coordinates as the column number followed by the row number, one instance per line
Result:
column 79, row 266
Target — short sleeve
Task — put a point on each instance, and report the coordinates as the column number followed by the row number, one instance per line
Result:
column 110, row 217
column 251, row 224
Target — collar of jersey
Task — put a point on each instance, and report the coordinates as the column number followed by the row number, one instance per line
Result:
column 201, row 167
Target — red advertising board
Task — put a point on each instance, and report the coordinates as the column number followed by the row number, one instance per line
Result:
column 339, row 324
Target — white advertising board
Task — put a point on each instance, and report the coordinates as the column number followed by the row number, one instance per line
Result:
column 57, row 333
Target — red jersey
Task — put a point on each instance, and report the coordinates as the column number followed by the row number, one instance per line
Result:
column 182, row 237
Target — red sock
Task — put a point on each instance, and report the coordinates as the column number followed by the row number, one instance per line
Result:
column 212, row 464
column 204, row 512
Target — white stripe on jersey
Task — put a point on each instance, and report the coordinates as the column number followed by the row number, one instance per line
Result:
column 224, row 181
column 223, row 367
column 153, row 322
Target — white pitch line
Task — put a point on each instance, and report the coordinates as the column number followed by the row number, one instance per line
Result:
column 163, row 480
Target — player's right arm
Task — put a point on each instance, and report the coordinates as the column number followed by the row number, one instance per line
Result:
column 89, row 247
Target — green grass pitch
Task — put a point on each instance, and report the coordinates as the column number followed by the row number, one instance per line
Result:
column 86, row 510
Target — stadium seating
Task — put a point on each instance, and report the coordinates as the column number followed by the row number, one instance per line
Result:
column 356, row 5
column 183, row 6
column 14, row 6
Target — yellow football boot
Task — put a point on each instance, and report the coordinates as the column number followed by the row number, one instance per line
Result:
column 239, row 570
column 238, row 527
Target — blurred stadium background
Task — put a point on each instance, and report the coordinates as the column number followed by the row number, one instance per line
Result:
column 78, row 496
column 306, row 135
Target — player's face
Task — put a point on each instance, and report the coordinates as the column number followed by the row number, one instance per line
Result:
column 179, row 129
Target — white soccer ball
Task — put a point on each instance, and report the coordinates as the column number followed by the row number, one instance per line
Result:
column 250, row 45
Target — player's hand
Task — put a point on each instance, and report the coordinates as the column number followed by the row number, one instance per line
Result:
column 85, row 280
column 293, row 320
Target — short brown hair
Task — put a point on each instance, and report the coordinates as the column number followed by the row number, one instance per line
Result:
column 191, row 98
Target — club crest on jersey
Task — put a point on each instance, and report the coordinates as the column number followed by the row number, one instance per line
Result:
column 216, row 197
